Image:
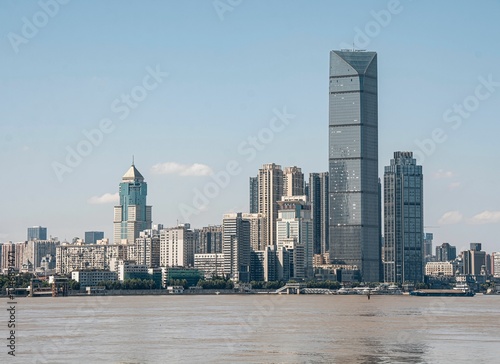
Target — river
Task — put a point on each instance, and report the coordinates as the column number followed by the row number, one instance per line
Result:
column 256, row 329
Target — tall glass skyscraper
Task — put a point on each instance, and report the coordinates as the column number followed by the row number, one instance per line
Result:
column 353, row 162
column 403, row 257
column 132, row 216
column 318, row 197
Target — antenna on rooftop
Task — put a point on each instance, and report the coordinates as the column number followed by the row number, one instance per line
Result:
column 132, row 159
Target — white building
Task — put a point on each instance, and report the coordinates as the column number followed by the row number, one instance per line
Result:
column 177, row 246
column 295, row 233
column 441, row 268
column 147, row 248
column 210, row 264
column 496, row 264
column 93, row 277
column 71, row 257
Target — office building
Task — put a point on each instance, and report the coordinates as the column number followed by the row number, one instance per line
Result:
column 403, row 220
column 132, row 215
column 236, row 247
column 270, row 192
column 428, row 237
column 37, row 233
column 210, row 264
column 446, row 252
column 474, row 260
column 91, row 237
column 92, row 278
column 318, row 198
column 353, row 162
column 443, row 268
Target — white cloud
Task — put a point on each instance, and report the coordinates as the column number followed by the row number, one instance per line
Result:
column 441, row 174
column 106, row 198
column 195, row 169
column 450, row 218
column 486, row 217
column 454, row 185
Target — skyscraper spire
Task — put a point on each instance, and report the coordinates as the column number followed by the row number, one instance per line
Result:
column 132, row 159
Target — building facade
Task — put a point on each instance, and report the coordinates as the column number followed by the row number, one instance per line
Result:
column 403, row 257
column 177, row 246
column 132, row 215
column 254, row 195
column 445, row 252
column 37, row 233
column 318, row 198
column 236, row 247
column 91, row 237
column 147, row 249
column 353, row 162
column 293, row 181
column 270, row 192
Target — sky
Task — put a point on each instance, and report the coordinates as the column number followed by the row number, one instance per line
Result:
column 202, row 93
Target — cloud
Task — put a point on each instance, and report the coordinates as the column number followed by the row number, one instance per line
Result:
column 486, row 217
column 441, row 174
column 454, row 185
column 450, row 218
column 195, row 169
column 106, row 198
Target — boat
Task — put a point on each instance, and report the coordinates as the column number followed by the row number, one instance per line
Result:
column 442, row 293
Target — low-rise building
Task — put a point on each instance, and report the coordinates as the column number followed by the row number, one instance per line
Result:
column 212, row 265
column 91, row 278
column 441, row 268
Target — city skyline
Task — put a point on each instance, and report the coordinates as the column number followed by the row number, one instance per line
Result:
column 48, row 102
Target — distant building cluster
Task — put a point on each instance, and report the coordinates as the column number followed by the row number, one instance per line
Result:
column 328, row 226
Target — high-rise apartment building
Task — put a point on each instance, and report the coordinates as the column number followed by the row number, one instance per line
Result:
column 295, row 233
column 177, row 246
column 37, row 233
column 236, row 247
column 257, row 226
column 403, row 220
column 270, row 192
column 132, row 215
column 318, row 198
column 353, row 162
column 91, row 237
column 474, row 260
column 254, row 195
column 293, row 182
column 147, row 248
column 208, row 239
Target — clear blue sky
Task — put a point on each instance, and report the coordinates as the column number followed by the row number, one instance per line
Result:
column 227, row 71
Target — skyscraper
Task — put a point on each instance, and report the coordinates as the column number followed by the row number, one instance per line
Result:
column 428, row 237
column 446, row 252
column 318, row 198
column 353, row 162
column 270, row 192
column 37, row 233
column 254, row 195
column 403, row 220
column 236, row 247
column 132, row 216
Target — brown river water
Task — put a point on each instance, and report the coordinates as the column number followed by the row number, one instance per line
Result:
column 255, row 329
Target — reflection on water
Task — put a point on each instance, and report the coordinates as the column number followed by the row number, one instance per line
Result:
column 258, row 329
